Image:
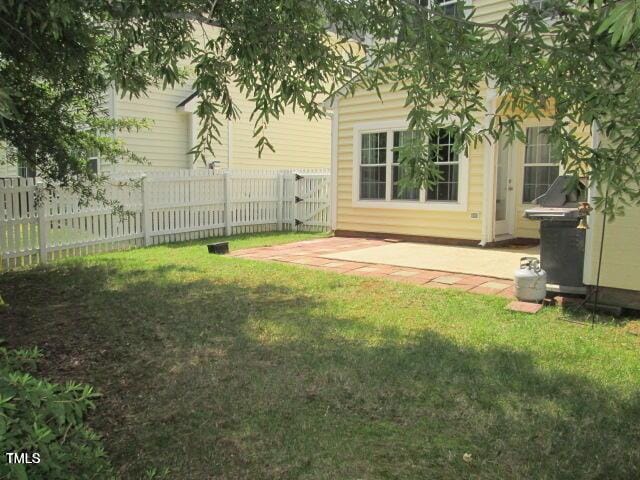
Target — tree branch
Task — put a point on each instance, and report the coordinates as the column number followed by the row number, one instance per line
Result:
column 194, row 17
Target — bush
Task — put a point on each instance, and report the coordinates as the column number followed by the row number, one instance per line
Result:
column 37, row 416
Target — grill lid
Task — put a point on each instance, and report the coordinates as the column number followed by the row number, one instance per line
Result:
column 558, row 202
column 558, row 194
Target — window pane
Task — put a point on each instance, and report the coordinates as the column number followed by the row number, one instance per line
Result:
column 25, row 170
column 538, row 148
column 372, row 182
column 400, row 171
column 539, row 171
column 449, row 7
column 93, row 164
column 537, row 180
column 374, row 148
column 447, row 188
column 399, row 193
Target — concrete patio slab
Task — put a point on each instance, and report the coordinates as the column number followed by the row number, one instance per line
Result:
column 489, row 262
column 313, row 254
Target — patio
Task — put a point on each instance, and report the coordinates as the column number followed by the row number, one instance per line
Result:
column 477, row 270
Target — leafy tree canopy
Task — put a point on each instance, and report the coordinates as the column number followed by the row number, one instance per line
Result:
column 575, row 62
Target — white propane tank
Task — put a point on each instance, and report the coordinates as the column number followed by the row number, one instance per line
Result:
column 530, row 280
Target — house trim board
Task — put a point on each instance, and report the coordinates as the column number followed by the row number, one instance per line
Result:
column 588, row 273
column 489, row 174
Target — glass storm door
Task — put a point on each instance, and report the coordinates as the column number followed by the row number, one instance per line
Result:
column 505, row 198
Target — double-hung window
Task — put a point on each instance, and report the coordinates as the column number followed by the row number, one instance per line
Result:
column 383, row 179
column 373, row 166
column 541, row 165
column 400, row 172
column 25, row 170
column 448, row 164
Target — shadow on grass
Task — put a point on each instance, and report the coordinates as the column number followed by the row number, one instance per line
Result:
column 212, row 375
column 252, row 237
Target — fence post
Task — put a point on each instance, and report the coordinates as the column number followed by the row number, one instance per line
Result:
column 43, row 231
column 294, row 205
column 147, row 225
column 280, row 205
column 227, row 203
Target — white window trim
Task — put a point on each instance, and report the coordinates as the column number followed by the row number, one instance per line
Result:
column 434, row 205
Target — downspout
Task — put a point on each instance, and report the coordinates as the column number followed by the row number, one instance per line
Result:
column 488, row 200
column 113, row 111
column 334, row 163
column 192, row 133
column 229, row 143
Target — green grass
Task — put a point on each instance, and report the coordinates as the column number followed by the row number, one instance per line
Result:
column 219, row 367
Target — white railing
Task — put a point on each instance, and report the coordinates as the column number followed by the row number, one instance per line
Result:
column 36, row 227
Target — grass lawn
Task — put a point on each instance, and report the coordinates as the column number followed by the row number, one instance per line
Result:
column 219, row 367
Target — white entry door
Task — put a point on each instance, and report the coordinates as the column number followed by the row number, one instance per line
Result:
column 505, row 189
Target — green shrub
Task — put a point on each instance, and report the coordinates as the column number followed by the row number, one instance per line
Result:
column 37, row 416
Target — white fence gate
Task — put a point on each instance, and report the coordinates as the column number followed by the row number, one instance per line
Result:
column 36, row 227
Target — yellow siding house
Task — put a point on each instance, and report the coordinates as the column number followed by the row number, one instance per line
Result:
column 482, row 196
column 480, row 200
column 298, row 142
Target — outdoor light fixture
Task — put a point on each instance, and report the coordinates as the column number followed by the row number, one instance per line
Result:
column 584, row 210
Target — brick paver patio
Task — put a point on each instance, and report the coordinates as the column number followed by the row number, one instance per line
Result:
column 308, row 253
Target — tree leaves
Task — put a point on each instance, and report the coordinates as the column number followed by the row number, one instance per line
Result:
column 622, row 22
column 579, row 66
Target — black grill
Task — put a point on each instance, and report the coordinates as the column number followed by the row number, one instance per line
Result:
column 561, row 242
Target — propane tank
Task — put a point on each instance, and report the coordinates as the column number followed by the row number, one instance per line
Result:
column 530, row 280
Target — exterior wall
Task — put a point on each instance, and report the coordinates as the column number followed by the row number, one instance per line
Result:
column 6, row 169
column 166, row 143
column 365, row 107
column 299, row 143
column 488, row 11
column 392, row 218
column 621, row 254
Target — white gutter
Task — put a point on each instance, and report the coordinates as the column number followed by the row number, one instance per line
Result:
column 488, row 198
column 113, row 111
column 192, row 133
column 229, row 143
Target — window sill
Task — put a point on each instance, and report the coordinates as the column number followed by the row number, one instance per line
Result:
column 411, row 205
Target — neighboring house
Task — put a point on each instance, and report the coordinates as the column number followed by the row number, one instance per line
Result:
column 299, row 143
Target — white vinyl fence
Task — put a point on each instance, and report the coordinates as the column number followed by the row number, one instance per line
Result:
column 160, row 208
